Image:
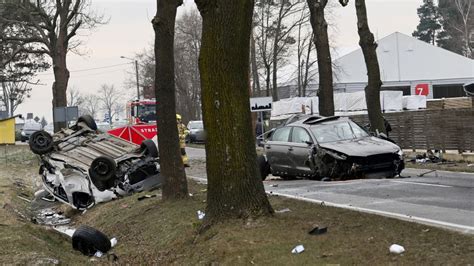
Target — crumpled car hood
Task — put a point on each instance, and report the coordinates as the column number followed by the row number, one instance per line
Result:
column 362, row 147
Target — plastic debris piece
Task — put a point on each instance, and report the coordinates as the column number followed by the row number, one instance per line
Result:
column 326, row 179
column 274, row 185
column 190, row 194
column 283, row 210
column 298, row 249
column 318, row 231
column 113, row 242
column 396, row 249
column 50, row 217
column 201, row 215
column 146, row 197
column 98, row 254
column 64, row 229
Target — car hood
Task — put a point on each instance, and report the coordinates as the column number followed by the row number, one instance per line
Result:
column 362, row 147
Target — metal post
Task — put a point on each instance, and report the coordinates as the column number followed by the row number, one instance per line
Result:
column 138, row 84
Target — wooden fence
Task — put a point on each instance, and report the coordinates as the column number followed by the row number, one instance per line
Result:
column 446, row 129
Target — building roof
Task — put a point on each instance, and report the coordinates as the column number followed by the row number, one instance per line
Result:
column 404, row 58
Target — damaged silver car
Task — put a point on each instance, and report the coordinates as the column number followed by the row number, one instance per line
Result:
column 328, row 147
column 82, row 167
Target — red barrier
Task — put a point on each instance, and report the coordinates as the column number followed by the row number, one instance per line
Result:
column 136, row 133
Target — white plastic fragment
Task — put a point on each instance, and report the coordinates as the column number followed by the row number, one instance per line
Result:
column 200, row 215
column 298, row 249
column 113, row 242
column 283, row 210
column 98, row 254
column 396, row 249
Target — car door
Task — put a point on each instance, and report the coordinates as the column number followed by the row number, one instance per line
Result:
column 299, row 150
column 276, row 150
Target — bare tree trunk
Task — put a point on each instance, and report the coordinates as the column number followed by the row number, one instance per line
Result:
column 307, row 67
column 321, row 41
column 255, row 78
column 172, row 167
column 372, row 90
column 61, row 79
column 235, row 189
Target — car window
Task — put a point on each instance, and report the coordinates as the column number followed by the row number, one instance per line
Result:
column 332, row 132
column 358, row 131
column 281, row 134
column 300, row 135
column 195, row 125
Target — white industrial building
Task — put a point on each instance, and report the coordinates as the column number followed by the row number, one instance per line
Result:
column 406, row 64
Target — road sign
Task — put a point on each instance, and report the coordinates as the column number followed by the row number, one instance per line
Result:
column 261, row 104
column 422, row 89
column 66, row 114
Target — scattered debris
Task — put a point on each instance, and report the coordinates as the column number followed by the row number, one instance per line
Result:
column 69, row 231
column 470, row 165
column 298, row 249
column 23, row 198
column 274, row 185
column 200, row 215
column 425, row 173
column 326, row 179
column 50, row 217
column 396, row 249
column 113, row 242
column 318, row 231
column 426, row 230
column 190, row 194
column 283, row 210
column 146, row 197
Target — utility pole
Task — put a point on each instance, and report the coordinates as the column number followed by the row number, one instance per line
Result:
column 136, row 73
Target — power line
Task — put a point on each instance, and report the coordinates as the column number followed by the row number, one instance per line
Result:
column 88, row 69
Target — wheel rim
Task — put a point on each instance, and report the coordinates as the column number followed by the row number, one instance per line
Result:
column 102, row 168
column 41, row 141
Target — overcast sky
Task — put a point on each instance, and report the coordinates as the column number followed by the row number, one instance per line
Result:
column 129, row 31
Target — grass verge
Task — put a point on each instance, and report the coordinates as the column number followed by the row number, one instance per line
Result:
column 155, row 232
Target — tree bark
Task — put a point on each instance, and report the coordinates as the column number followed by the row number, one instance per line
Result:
column 61, row 79
column 372, row 90
column 235, row 189
column 321, row 41
column 172, row 167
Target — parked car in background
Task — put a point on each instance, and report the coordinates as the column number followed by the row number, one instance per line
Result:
column 29, row 128
column 81, row 167
column 328, row 147
column 196, row 132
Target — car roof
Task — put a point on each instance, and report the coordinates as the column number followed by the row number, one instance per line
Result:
column 314, row 119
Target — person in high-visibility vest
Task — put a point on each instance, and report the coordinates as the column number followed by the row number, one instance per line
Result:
column 182, row 132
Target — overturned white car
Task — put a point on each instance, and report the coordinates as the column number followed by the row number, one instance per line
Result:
column 82, row 167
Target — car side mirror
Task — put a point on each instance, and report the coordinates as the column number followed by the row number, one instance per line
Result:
column 383, row 135
column 309, row 142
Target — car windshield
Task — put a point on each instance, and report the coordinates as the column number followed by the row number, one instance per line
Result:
column 196, row 125
column 147, row 112
column 338, row 131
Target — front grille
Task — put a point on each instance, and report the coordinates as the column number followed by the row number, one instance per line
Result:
column 376, row 162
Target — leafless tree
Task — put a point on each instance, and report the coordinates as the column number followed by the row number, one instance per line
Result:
column 51, row 27
column 75, row 97
column 90, row 105
column 111, row 101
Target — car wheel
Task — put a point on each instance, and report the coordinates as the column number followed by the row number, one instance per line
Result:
column 41, row 142
column 88, row 241
column 88, row 120
column 102, row 172
column 263, row 166
column 149, row 147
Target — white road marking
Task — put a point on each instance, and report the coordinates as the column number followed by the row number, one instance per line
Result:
column 421, row 184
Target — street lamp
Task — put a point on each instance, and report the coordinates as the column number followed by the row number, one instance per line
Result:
column 136, row 72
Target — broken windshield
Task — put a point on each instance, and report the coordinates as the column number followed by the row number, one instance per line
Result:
column 333, row 132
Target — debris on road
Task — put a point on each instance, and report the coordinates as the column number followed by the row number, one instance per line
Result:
column 283, row 210
column 298, row 249
column 396, row 249
column 274, row 185
column 200, row 215
column 425, row 173
column 318, row 231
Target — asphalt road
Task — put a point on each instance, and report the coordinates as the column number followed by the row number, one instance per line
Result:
column 443, row 199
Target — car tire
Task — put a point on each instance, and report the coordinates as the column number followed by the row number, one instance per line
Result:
column 102, row 172
column 263, row 167
column 41, row 142
column 88, row 241
column 88, row 120
column 149, row 147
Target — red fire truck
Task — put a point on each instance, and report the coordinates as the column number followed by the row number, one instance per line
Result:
column 141, row 116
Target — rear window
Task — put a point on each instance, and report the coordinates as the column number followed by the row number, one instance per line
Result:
column 281, row 134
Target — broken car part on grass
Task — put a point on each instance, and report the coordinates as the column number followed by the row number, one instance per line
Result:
column 82, row 167
column 328, row 148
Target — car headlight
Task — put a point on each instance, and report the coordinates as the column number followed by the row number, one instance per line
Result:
column 400, row 153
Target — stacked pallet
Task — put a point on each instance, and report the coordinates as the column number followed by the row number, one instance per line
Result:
column 437, row 104
column 450, row 103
